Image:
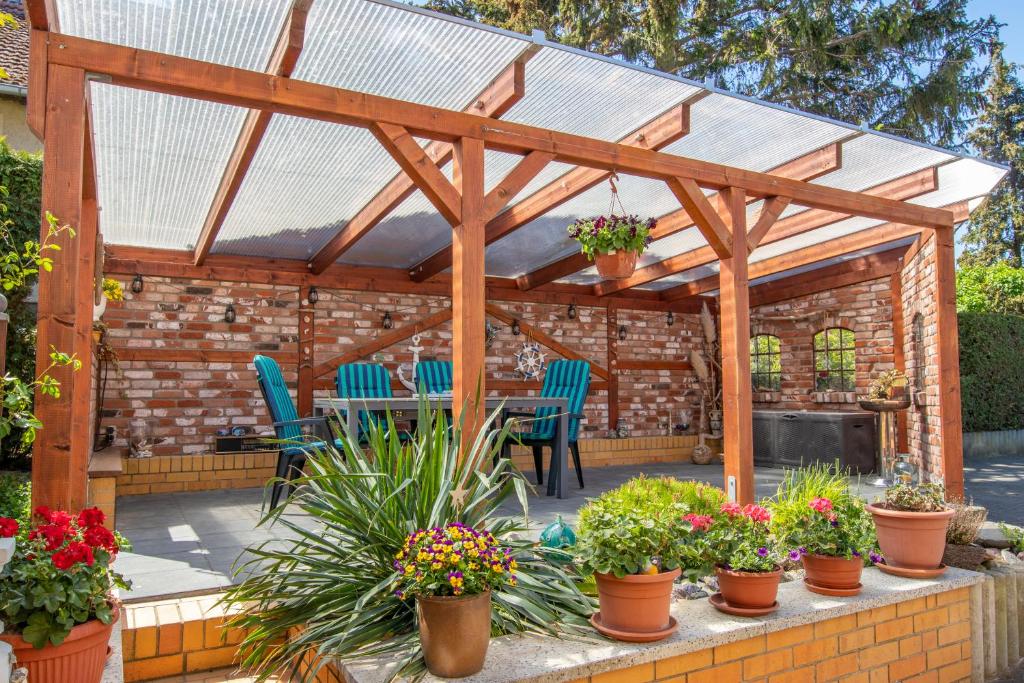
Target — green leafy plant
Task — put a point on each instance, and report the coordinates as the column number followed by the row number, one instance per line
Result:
column 636, row 527
column 605, row 234
column 920, row 498
column 60, row 574
column 1015, row 535
column 991, row 371
column 815, row 512
column 16, row 497
column 330, row 592
column 737, row 537
column 881, row 387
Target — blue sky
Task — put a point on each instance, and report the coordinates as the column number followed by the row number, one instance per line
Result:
column 1009, row 12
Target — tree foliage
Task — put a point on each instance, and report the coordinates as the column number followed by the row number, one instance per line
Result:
column 996, row 230
column 909, row 67
column 991, row 371
column 998, row 288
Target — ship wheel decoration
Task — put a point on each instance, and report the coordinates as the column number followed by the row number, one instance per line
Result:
column 530, row 361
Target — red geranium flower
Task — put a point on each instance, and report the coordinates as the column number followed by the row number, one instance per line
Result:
column 8, row 527
column 101, row 537
column 822, row 505
column 60, row 518
column 91, row 517
column 756, row 513
column 731, row 509
column 44, row 512
column 63, row 559
column 53, row 534
column 698, row 522
column 81, row 552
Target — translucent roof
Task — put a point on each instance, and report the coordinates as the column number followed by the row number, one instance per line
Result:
column 160, row 157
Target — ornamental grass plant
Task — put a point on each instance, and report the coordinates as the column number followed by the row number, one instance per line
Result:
column 334, row 593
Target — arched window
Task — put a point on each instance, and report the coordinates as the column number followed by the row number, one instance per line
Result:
column 835, row 366
column 765, row 363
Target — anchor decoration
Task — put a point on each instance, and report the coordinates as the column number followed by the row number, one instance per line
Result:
column 530, row 361
column 412, row 384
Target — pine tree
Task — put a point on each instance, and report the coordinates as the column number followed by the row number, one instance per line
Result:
column 996, row 231
column 909, row 67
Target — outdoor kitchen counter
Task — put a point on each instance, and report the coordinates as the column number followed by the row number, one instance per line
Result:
column 844, row 626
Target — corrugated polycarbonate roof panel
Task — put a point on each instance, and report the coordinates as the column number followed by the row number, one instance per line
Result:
column 309, row 178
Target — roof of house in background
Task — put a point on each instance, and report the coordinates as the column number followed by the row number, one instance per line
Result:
column 14, row 46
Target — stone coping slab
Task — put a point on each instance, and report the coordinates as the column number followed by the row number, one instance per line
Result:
column 537, row 659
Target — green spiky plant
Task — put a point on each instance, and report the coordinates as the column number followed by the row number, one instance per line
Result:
column 329, row 594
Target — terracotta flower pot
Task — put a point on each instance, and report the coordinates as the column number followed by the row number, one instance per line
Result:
column 79, row 659
column 638, row 603
column 911, row 540
column 836, row 573
column 749, row 590
column 454, row 633
column 616, row 264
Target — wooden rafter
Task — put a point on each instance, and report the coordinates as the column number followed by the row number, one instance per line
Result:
column 658, row 133
column 704, row 215
column 513, row 183
column 423, row 171
column 497, row 98
column 281, row 63
column 913, row 185
column 770, row 212
column 852, row 272
column 805, row 167
column 545, row 339
column 41, row 14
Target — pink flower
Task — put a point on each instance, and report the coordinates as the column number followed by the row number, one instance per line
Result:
column 698, row 522
column 822, row 505
column 732, row 509
column 756, row 513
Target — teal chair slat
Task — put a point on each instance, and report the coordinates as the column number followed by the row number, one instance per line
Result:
column 363, row 380
column 434, row 376
column 569, row 379
column 279, row 401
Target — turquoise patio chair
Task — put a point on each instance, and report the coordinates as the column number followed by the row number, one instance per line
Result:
column 569, row 379
column 363, row 380
column 434, row 376
column 287, row 426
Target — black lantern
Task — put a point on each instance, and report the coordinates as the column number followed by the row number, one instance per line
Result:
column 515, row 328
column 313, row 296
column 386, row 322
column 137, row 284
column 229, row 313
column 622, row 333
column 670, row 319
column 572, row 312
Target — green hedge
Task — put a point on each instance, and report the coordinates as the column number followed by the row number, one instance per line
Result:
column 992, row 371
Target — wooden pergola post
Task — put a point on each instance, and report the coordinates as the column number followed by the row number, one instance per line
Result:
column 468, row 287
column 61, row 451
column 948, row 343
column 735, row 330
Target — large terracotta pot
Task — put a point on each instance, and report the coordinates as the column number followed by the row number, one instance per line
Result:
column 836, row 573
column 616, row 264
column 638, row 603
column 911, row 540
column 749, row 590
column 454, row 633
column 79, row 659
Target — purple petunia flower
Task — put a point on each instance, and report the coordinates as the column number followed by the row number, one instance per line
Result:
column 834, row 523
column 762, row 551
column 876, row 558
column 794, row 555
column 803, row 550
column 856, row 553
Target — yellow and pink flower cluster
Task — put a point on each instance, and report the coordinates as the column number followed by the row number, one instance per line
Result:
column 452, row 560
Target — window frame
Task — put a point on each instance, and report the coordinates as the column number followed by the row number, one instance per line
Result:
column 773, row 373
column 823, row 357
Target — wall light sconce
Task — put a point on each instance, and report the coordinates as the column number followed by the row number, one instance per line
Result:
column 571, row 312
column 622, row 333
column 515, row 328
column 670, row 319
column 313, row 296
column 229, row 313
column 386, row 321
column 137, row 284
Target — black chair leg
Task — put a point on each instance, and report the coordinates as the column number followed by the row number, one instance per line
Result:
column 283, row 462
column 575, row 448
column 295, row 466
column 538, row 463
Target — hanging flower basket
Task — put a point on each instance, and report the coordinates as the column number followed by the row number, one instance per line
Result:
column 613, row 242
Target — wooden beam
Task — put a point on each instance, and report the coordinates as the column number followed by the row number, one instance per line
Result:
column 306, row 355
column 734, row 307
column 658, row 133
column 913, row 185
column 704, row 215
column 674, row 365
column 770, row 212
column 38, row 64
column 545, row 339
column 42, row 14
column 193, row 355
column 468, row 299
column 281, row 63
column 915, row 247
column 62, row 447
column 806, row 167
column 497, row 98
column 513, row 183
column 426, row 174
column 951, row 433
column 612, row 341
column 852, row 272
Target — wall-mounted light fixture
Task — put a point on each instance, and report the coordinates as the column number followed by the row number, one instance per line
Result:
column 386, row 321
column 622, row 333
column 670, row 319
column 229, row 313
column 313, row 296
column 571, row 312
column 137, row 284
column 515, row 328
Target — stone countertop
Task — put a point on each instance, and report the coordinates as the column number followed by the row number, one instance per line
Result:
column 536, row 659
column 113, row 671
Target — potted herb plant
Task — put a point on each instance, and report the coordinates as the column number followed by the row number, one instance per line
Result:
column 451, row 571
column 739, row 544
column 911, row 525
column 613, row 242
column 56, row 593
column 815, row 512
column 629, row 540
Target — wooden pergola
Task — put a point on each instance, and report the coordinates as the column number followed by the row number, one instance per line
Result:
column 712, row 197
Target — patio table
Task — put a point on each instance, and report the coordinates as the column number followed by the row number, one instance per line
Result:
column 559, row 471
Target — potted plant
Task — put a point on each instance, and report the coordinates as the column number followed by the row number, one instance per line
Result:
column 613, row 242
column 815, row 512
column 911, row 525
column 739, row 544
column 451, row 571
column 56, row 593
column 629, row 540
